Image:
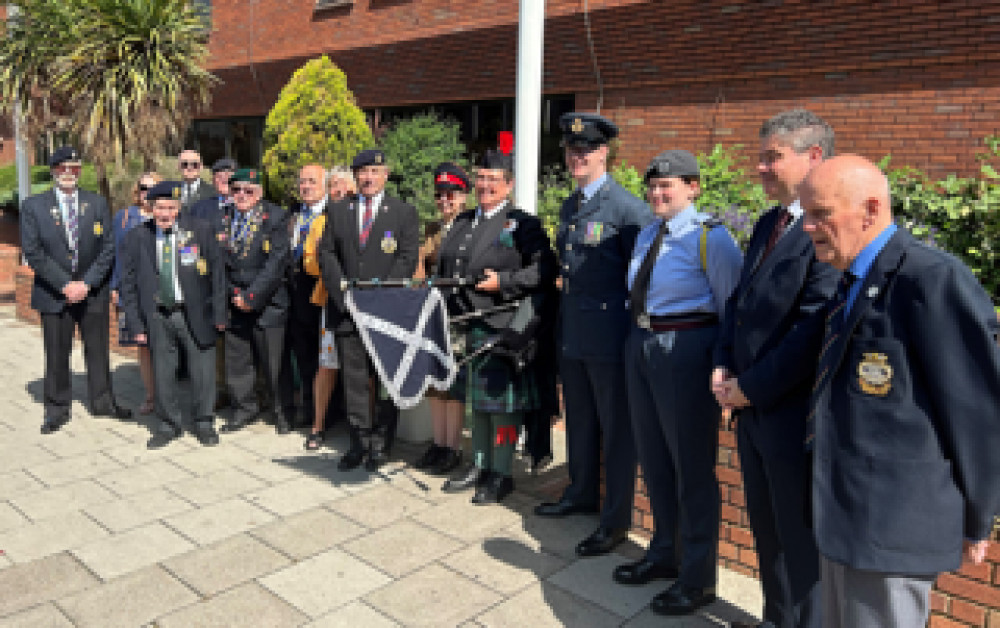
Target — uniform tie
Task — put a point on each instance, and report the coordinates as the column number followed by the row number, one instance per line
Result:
column 167, row 296
column 835, row 319
column 640, row 286
column 779, row 228
column 366, row 221
column 73, row 223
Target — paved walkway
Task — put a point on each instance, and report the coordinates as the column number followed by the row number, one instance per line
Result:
column 97, row 531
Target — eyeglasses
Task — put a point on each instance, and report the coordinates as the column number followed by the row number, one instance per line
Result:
column 239, row 189
column 67, row 169
column 188, row 165
column 144, row 187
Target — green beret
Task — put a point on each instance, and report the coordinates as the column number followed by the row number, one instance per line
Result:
column 245, row 175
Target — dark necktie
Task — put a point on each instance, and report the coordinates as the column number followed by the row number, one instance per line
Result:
column 640, row 286
column 836, row 316
column 779, row 228
column 366, row 221
column 167, row 296
column 73, row 223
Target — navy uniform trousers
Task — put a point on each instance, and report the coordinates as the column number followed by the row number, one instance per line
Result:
column 676, row 422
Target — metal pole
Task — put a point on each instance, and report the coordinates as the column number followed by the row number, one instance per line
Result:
column 527, row 130
column 21, row 162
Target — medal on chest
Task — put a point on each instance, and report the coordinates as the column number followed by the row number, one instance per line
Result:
column 389, row 243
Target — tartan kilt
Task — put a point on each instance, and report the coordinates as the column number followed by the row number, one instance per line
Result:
column 492, row 384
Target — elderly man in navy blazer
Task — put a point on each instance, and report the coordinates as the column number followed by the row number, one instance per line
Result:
column 764, row 361
column 66, row 238
column 905, row 419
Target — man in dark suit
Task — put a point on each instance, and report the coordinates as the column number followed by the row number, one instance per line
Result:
column 302, row 329
column 598, row 226
column 368, row 236
column 193, row 189
column 67, row 240
column 256, row 256
column 905, row 419
column 174, row 295
column 764, row 362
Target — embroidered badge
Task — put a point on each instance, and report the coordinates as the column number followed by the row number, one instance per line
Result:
column 875, row 374
column 202, row 266
column 510, row 226
column 593, row 233
column 98, row 229
column 389, row 244
column 267, row 246
column 577, row 125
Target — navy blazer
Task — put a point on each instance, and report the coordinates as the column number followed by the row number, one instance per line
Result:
column 769, row 337
column 907, row 448
column 203, row 281
column 595, row 241
column 256, row 268
column 46, row 247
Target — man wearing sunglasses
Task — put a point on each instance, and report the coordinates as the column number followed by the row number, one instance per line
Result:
column 67, row 239
column 193, row 189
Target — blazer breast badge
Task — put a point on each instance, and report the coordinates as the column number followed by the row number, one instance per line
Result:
column 875, row 374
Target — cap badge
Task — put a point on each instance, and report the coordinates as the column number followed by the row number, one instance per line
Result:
column 577, row 125
column 875, row 374
column 378, row 158
column 176, row 192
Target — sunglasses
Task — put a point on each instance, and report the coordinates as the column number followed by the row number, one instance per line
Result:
column 239, row 189
column 190, row 164
column 67, row 169
column 144, row 188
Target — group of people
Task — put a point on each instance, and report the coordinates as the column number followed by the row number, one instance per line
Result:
column 859, row 366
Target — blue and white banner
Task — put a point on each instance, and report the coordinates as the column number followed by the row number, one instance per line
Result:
column 405, row 331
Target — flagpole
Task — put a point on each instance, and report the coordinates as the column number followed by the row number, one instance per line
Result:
column 528, row 117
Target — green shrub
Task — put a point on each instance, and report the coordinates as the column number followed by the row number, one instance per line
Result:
column 413, row 148
column 315, row 120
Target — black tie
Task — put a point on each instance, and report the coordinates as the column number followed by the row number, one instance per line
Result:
column 835, row 319
column 779, row 227
column 640, row 286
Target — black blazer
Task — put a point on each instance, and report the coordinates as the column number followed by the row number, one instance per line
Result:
column 906, row 468
column 203, row 282
column 205, row 191
column 256, row 268
column 769, row 337
column 46, row 247
column 341, row 256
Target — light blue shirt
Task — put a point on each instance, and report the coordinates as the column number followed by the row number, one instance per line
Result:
column 863, row 263
column 679, row 284
column 591, row 188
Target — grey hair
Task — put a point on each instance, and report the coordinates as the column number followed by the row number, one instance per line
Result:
column 340, row 172
column 800, row 129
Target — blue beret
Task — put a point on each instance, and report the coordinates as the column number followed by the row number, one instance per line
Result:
column 63, row 154
column 673, row 163
column 164, row 189
column 369, row 157
column 449, row 176
column 586, row 129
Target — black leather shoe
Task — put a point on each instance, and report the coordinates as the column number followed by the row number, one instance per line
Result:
column 747, row 624
column 430, row 457
column 602, row 541
column 375, row 459
column 351, row 460
column 206, row 435
column 232, row 426
column 493, row 491
column 474, row 476
column 449, row 461
column 114, row 412
column 562, row 508
column 281, row 425
column 681, row 600
column 161, row 439
column 53, row 424
column 643, row 572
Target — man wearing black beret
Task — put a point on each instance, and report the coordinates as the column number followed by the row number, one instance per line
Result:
column 66, row 238
column 368, row 236
column 174, row 296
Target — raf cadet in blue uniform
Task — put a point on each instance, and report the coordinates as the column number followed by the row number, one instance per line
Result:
column 683, row 268
column 597, row 230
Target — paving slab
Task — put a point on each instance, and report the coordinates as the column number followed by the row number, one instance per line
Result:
column 379, row 506
column 130, row 551
column 52, row 502
column 466, row 521
column 215, row 487
column 247, row 605
column 308, row 533
column 30, row 584
column 344, row 579
column 353, row 615
column 136, row 510
column 206, row 460
column 18, row 483
column 80, row 436
column 135, row 454
column 590, row 579
column 50, row 536
column 10, row 517
column 75, row 468
column 433, row 596
column 45, row 616
column 13, row 458
column 143, row 477
column 402, row 547
column 133, row 600
column 295, row 495
column 504, row 564
column 544, row 605
column 225, row 564
column 218, row 521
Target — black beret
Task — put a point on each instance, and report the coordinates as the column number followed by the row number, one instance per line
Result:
column 368, row 157
column 673, row 163
column 164, row 189
column 497, row 160
column 586, row 129
column 63, row 154
column 449, row 176
column 223, row 164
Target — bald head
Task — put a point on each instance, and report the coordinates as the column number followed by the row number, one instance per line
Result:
column 847, row 205
column 312, row 183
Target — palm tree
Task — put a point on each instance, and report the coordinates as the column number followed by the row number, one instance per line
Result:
column 122, row 76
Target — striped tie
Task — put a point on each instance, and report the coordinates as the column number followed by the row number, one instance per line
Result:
column 366, row 221
column 73, row 224
column 835, row 318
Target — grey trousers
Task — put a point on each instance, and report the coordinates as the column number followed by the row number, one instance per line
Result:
column 855, row 598
column 168, row 336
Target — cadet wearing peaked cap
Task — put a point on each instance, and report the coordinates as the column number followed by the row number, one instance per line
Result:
column 683, row 268
column 598, row 226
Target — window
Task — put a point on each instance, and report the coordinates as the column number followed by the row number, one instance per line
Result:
column 238, row 138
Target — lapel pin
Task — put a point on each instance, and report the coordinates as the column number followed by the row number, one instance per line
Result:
column 872, row 292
